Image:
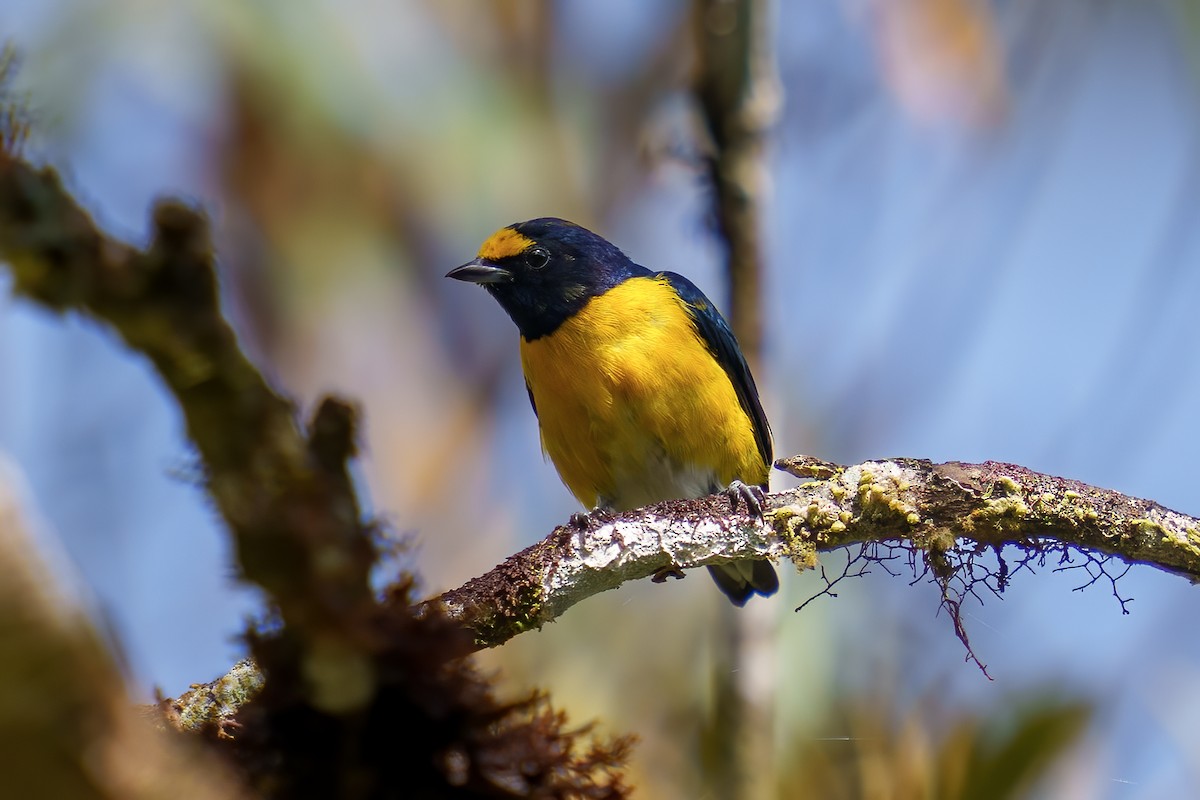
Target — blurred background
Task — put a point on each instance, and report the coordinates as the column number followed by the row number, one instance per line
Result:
column 981, row 244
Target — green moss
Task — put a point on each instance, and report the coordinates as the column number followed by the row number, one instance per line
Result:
column 1044, row 503
column 882, row 501
column 1007, row 485
column 781, row 518
column 934, row 540
column 1191, row 542
column 521, row 613
column 791, row 524
column 1147, row 527
column 520, row 607
column 998, row 515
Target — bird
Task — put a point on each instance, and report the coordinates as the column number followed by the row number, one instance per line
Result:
column 641, row 391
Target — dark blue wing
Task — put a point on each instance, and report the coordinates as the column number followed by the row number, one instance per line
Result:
column 532, row 402
column 716, row 334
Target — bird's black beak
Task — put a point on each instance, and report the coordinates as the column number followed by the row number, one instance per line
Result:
column 481, row 272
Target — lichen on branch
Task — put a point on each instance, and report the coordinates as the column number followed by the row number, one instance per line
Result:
column 941, row 510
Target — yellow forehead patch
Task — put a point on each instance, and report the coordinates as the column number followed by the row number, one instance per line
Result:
column 504, row 243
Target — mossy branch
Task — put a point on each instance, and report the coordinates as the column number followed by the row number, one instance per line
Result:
column 935, row 508
column 335, row 691
column 284, row 492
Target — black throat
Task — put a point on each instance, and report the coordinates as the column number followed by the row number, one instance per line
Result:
column 538, row 312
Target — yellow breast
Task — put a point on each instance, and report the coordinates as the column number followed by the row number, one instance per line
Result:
column 633, row 408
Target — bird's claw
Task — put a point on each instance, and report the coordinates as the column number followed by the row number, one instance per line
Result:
column 582, row 520
column 753, row 496
column 671, row 571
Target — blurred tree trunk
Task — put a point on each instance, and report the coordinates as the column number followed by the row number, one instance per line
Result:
column 68, row 730
column 739, row 93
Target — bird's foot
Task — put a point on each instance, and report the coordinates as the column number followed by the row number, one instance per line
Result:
column 753, row 496
column 662, row 573
column 583, row 520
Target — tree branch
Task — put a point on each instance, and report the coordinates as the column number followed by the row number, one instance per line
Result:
column 330, row 703
column 937, row 508
column 67, row 727
column 740, row 95
column 285, row 494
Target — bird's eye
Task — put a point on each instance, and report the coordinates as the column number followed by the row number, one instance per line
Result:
column 538, row 257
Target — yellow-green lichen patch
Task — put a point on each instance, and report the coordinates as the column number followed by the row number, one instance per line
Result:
column 938, row 544
column 998, row 516
column 1044, row 503
column 1006, row 485
column 1072, row 508
column 821, row 472
column 1147, row 527
column 803, row 555
column 1153, row 535
column 823, row 520
column 934, row 540
column 809, row 467
column 790, row 523
column 810, row 522
column 1191, row 542
column 883, row 500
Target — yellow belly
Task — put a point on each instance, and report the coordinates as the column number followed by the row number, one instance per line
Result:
column 633, row 409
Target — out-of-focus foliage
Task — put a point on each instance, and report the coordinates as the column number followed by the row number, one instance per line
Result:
column 997, row 753
column 942, row 59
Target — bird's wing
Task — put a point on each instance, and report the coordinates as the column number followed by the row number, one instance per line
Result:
column 529, row 391
column 716, row 334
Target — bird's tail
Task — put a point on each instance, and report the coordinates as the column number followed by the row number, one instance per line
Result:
column 741, row 580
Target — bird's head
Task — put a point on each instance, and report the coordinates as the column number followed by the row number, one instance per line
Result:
column 544, row 270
